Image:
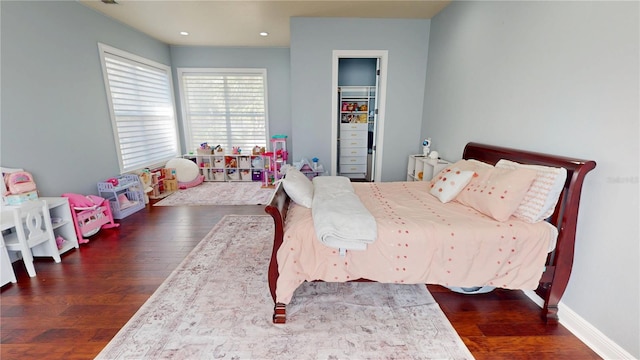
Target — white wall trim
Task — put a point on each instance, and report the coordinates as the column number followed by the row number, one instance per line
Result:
column 583, row 330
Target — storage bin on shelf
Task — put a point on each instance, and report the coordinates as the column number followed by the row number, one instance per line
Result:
column 217, row 175
column 218, row 162
column 125, row 198
column 233, row 174
column 244, row 162
column 245, row 175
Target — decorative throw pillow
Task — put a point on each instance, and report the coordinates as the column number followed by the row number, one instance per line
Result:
column 448, row 186
column 462, row 165
column 497, row 192
column 298, row 187
column 541, row 199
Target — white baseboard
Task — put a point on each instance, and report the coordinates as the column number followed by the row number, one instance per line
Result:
column 587, row 333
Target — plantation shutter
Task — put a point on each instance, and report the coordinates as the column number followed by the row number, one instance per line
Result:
column 224, row 107
column 142, row 109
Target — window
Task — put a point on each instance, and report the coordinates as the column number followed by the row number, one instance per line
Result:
column 225, row 107
column 140, row 95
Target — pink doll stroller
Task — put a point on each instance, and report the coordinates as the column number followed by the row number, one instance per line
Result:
column 90, row 214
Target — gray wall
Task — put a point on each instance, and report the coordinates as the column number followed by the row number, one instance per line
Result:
column 54, row 114
column 357, row 72
column 275, row 60
column 312, row 43
column 560, row 78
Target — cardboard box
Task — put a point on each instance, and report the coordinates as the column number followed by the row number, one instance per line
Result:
column 170, row 185
column 169, row 173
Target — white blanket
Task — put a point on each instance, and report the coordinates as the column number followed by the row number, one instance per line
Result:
column 339, row 217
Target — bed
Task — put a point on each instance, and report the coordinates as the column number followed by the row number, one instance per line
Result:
column 544, row 265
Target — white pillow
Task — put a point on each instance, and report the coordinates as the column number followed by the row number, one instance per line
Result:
column 298, row 187
column 449, row 185
column 186, row 170
column 542, row 197
column 466, row 165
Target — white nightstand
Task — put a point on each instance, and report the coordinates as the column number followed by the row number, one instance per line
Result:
column 421, row 168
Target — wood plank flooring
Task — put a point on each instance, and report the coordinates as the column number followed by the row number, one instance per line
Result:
column 71, row 310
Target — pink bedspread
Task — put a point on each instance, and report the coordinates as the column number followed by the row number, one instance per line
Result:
column 420, row 240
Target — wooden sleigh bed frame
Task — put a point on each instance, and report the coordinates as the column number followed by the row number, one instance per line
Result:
column 559, row 262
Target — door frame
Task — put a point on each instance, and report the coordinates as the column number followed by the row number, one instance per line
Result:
column 381, row 95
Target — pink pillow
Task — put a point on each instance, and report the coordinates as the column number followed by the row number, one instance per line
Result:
column 497, row 192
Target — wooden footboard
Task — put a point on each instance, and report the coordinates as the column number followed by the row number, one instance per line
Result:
column 559, row 262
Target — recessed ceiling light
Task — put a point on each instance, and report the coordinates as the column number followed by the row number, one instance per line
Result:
column 184, row 33
column 264, row 33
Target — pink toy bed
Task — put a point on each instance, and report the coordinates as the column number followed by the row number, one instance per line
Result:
column 422, row 240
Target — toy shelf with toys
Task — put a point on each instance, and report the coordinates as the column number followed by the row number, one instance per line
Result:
column 163, row 183
column 216, row 165
column 273, row 160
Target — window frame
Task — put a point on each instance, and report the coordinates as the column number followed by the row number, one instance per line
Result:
column 105, row 51
column 186, row 123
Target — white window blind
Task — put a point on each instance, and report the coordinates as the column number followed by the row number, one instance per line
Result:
column 141, row 102
column 225, row 107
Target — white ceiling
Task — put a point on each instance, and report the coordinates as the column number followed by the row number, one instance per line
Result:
column 239, row 22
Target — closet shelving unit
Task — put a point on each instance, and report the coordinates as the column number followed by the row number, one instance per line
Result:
column 357, row 116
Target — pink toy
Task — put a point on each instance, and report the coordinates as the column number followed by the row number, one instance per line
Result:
column 195, row 182
column 90, row 214
column 60, row 242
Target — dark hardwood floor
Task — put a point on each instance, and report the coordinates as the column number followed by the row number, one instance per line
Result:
column 71, row 310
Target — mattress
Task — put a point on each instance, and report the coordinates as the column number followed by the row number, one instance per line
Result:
column 420, row 240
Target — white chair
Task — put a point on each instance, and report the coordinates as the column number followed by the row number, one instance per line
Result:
column 6, row 269
column 32, row 229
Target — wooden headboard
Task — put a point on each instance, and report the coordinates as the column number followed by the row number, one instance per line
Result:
column 565, row 217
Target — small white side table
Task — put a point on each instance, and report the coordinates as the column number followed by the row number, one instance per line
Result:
column 421, row 168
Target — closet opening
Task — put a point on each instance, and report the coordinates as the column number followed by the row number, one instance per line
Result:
column 359, row 83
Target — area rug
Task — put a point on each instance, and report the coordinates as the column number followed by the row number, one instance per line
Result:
column 216, row 305
column 220, row 193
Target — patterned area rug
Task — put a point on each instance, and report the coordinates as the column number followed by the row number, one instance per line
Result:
column 216, row 305
column 220, row 193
